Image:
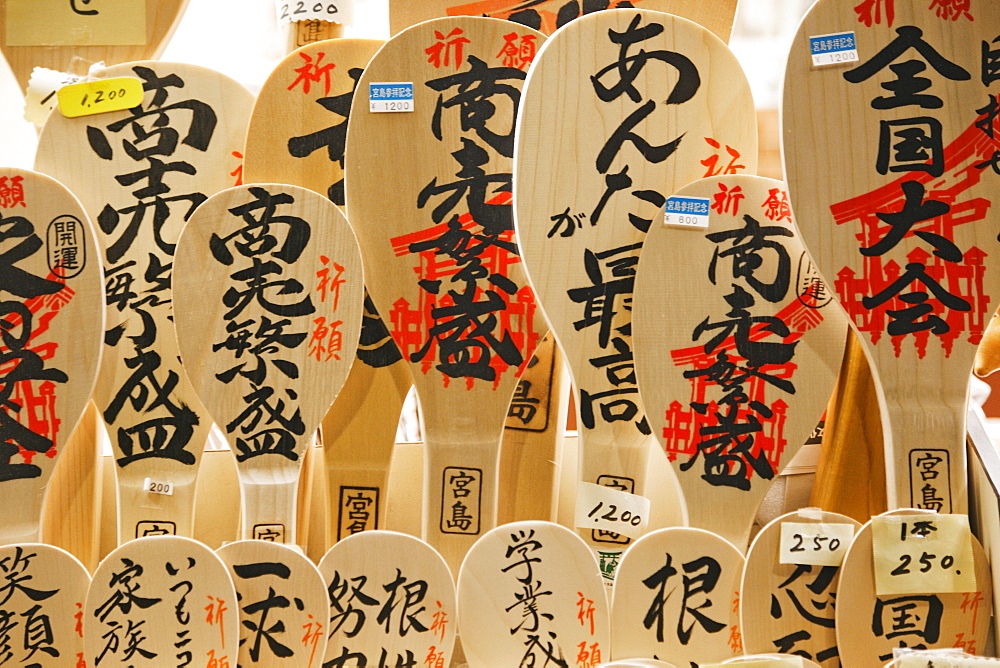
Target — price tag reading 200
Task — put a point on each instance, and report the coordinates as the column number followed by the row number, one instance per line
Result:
column 609, row 509
column 923, row 554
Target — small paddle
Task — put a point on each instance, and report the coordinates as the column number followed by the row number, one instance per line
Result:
column 676, row 598
column 547, row 15
column 392, row 601
column 585, row 196
column 148, row 602
column 296, row 136
column 738, row 345
column 268, row 288
column 51, row 33
column 438, row 240
column 530, row 593
column 906, row 232
column 51, row 319
column 140, row 173
column 282, row 605
column 787, row 606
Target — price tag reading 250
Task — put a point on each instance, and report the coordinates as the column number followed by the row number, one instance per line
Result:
column 610, row 509
column 923, row 554
column 814, row 544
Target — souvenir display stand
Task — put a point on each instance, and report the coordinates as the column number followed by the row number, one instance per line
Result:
column 692, row 378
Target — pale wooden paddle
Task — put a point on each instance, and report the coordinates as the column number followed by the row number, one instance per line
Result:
column 51, row 322
column 140, row 173
column 738, row 345
column 893, row 179
column 547, row 15
column 282, row 605
column 788, row 607
column 870, row 626
column 392, row 601
column 637, row 663
column 677, row 598
column 51, row 33
column 437, row 236
column 585, row 196
column 268, row 289
column 530, row 594
column 42, row 605
column 770, row 661
column 147, row 607
column 296, row 135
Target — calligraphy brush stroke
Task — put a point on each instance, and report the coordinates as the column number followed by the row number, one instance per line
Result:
column 733, row 318
column 548, row 15
column 301, row 335
column 466, row 347
column 162, row 17
column 296, row 136
column 53, row 316
column 581, row 270
column 874, row 234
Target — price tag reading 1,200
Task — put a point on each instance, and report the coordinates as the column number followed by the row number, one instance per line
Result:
column 610, row 509
column 832, row 49
column 814, row 544
column 390, row 97
column 97, row 97
column 922, row 554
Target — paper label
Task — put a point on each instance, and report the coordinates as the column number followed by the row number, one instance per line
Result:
column 922, row 554
column 101, row 96
column 940, row 658
column 158, row 487
column 391, row 97
column 686, row 212
column 812, row 544
column 609, row 509
column 76, row 22
column 840, row 47
column 341, row 11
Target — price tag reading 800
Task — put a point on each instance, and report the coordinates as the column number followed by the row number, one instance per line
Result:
column 609, row 509
column 814, row 544
column 922, row 554
column 304, row 10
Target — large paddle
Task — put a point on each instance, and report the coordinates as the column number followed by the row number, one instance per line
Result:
column 891, row 162
column 438, row 241
column 140, row 173
column 51, row 33
column 598, row 150
column 737, row 342
column 268, row 287
column 296, row 135
column 548, row 15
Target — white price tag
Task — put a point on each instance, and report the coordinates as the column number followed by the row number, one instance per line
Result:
column 390, row 97
column 158, row 487
column 922, row 554
column 686, row 212
column 833, row 49
column 341, row 11
column 610, row 509
column 811, row 544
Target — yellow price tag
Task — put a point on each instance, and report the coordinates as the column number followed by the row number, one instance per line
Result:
column 922, row 554
column 98, row 97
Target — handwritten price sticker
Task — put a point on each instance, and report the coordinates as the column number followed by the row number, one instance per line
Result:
column 610, row 509
column 341, row 11
column 923, row 554
column 98, row 97
column 810, row 544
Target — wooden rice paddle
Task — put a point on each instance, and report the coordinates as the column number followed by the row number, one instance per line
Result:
column 140, row 173
column 50, row 33
column 770, row 661
column 268, row 290
column 282, row 605
column 637, row 663
column 738, row 344
column 790, row 607
column 662, row 579
column 378, row 573
column 547, row 15
column 51, row 321
column 870, row 626
column 147, row 607
column 893, row 180
column 530, row 593
column 296, row 135
column 607, row 129
column 438, row 240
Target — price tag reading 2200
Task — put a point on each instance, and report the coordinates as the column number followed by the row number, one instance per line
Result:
column 305, row 10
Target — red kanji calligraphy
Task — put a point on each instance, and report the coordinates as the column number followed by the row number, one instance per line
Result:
column 448, row 50
column 871, row 11
column 727, row 200
column 518, row 50
column 542, row 15
column 711, row 163
column 313, row 71
column 11, row 192
column 776, row 206
column 952, row 9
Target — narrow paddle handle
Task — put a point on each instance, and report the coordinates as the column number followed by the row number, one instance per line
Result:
column 148, row 513
column 269, row 510
column 617, row 466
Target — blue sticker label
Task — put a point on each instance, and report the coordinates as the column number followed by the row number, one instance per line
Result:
column 396, row 96
column 693, row 205
column 842, row 41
